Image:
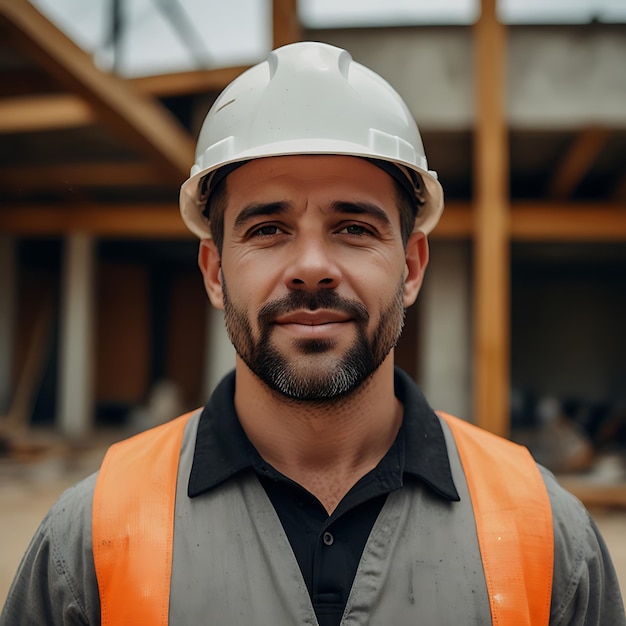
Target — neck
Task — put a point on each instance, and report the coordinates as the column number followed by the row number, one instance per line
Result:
column 325, row 448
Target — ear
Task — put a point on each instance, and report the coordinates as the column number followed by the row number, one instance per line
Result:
column 416, row 262
column 211, row 267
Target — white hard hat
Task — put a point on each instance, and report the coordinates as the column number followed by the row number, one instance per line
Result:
column 309, row 98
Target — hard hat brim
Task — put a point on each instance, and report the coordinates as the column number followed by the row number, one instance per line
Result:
column 192, row 205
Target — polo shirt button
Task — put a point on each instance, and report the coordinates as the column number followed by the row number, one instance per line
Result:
column 328, row 539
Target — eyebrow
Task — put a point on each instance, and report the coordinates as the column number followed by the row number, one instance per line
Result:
column 264, row 209
column 362, row 208
column 344, row 207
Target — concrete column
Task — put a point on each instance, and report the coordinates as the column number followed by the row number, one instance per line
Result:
column 445, row 333
column 76, row 346
column 8, row 271
column 219, row 352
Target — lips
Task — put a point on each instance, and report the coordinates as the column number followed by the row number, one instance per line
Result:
column 317, row 309
column 312, row 318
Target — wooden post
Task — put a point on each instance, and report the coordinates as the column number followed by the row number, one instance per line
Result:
column 491, row 239
column 285, row 22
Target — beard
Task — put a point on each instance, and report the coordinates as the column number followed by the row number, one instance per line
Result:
column 309, row 376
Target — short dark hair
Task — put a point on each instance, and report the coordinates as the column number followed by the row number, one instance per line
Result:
column 214, row 211
column 218, row 199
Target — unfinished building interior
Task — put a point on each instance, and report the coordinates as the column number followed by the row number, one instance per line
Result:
column 520, row 326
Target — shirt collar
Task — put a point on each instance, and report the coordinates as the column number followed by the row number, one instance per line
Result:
column 223, row 449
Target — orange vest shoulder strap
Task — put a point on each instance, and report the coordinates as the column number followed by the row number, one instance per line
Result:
column 513, row 522
column 133, row 543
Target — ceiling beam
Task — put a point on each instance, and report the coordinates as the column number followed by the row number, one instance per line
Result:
column 49, row 112
column 457, row 222
column 120, row 221
column 577, row 162
column 96, row 174
column 542, row 221
column 57, row 111
column 529, row 221
column 135, row 118
column 32, row 80
column 36, row 113
column 184, row 83
column 550, row 221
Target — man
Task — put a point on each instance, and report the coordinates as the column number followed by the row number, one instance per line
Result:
column 317, row 486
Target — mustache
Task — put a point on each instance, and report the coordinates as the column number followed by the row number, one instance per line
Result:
column 312, row 301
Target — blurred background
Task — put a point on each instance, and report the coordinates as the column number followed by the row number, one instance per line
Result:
column 105, row 328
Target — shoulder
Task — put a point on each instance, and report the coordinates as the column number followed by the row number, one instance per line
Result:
column 69, row 519
column 69, row 532
column 585, row 586
column 574, row 534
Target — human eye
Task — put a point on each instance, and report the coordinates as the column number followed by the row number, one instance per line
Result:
column 265, row 230
column 355, row 229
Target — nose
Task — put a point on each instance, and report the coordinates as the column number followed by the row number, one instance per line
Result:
column 312, row 265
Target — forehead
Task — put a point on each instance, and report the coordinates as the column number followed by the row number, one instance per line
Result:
column 328, row 177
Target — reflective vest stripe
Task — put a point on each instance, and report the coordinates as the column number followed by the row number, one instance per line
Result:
column 513, row 523
column 133, row 525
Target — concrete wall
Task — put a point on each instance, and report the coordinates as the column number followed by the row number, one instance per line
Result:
column 558, row 77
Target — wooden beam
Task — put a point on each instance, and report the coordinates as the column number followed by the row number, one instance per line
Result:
column 147, row 221
column 285, row 23
column 530, row 221
column 66, row 111
column 568, row 222
column 491, row 245
column 136, row 119
column 577, row 162
column 97, row 174
column 51, row 112
column 183, row 83
column 542, row 221
column 457, row 222
column 54, row 111
column 32, row 113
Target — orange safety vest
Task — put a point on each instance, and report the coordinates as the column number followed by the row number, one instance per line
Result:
column 133, row 525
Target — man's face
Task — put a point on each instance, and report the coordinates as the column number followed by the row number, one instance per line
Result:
column 312, row 276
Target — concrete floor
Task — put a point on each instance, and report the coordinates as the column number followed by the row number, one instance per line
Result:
column 27, row 491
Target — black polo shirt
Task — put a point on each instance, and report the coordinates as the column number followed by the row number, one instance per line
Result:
column 327, row 548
